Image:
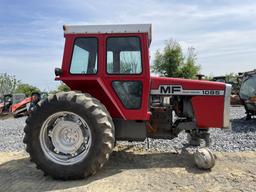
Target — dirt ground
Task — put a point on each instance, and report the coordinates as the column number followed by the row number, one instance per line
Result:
column 137, row 171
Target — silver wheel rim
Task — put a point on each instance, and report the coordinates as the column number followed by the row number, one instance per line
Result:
column 65, row 138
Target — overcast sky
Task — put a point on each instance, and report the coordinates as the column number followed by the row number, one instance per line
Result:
column 223, row 33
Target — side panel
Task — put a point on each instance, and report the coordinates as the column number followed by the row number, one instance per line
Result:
column 207, row 98
column 208, row 111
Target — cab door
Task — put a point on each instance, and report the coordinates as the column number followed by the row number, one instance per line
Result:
column 127, row 74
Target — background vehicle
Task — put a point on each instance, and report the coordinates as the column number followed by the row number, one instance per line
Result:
column 18, row 105
column 70, row 135
column 235, row 99
column 11, row 103
column 247, row 92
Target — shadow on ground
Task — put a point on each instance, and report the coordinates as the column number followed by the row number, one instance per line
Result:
column 21, row 174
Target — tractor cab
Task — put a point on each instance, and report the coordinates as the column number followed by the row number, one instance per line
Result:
column 110, row 62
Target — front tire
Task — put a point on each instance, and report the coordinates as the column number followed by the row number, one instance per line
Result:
column 69, row 135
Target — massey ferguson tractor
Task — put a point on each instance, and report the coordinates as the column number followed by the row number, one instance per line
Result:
column 70, row 135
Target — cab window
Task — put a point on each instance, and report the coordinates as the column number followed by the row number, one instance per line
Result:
column 129, row 92
column 124, row 55
column 84, row 58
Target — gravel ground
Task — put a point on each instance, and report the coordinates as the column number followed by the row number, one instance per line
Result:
column 11, row 134
column 241, row 137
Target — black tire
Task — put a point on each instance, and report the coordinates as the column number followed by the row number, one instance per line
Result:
column 100, row 124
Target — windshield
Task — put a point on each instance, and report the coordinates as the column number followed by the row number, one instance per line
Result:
column 248, row 87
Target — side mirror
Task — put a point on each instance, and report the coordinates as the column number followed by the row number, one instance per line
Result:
column 58, row 71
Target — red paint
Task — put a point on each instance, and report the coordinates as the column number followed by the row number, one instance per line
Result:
column 186, row 83
column 208, row 109
column 99, row 85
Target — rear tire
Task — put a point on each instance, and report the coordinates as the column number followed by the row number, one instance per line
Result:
column 56, row 159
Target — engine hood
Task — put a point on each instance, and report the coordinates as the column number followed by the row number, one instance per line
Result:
column 210, row 100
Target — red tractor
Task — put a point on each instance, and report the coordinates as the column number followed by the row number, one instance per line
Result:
column 13, row 104
column 70, row 135
column 18, row 105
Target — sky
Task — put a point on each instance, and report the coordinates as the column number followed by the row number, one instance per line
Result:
column 223, row 32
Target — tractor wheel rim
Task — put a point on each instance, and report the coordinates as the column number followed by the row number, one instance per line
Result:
column 65, row 138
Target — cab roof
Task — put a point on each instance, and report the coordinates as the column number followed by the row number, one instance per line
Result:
column 120, row 28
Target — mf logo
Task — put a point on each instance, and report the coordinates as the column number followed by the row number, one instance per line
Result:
column 178, row 90
column 170, row 89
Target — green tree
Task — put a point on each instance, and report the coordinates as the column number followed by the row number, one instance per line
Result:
column 235, row 81
column 189, row 69
column 26, row 89
column 8, row 83
column 171, row 62
column 63, row 87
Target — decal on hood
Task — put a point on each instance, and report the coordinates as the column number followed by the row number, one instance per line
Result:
column 178, row 90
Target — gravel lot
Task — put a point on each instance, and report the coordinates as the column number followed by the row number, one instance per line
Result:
column 241, row 137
